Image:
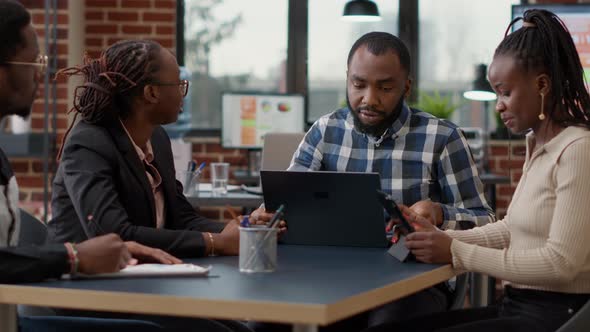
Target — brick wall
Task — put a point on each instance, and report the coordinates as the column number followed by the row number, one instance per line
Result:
column 506, row 158
column 29, row 171
column 106, row 22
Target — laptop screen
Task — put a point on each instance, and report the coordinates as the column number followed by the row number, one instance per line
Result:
column 327, row 208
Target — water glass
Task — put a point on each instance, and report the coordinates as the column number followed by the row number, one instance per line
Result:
column 219, row 178
column 190, row 182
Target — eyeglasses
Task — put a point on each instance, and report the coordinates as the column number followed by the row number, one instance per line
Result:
column 40, row 62
column 183, row 85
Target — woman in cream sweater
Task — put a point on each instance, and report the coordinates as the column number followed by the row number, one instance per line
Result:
column 541, row 247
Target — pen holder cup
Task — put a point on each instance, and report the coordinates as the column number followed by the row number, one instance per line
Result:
column 190, row 183
column 258, row 249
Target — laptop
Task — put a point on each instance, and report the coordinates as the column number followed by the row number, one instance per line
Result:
column 327, row 208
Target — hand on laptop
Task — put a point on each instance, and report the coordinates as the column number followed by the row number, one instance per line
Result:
column 261, row 217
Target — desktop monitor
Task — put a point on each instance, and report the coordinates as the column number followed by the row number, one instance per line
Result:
column 247, row 117
column 577, row 19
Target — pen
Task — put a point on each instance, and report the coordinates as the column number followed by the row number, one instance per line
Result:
column 191, row 166
column 200, row 167
column 274, row 220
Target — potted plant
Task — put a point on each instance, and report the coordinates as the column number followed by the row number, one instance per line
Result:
column 435, row 104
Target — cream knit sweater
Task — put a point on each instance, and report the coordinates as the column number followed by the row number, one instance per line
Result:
column 544, row 240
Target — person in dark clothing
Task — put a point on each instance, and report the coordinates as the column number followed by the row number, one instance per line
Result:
column 21, row 70
column 117, row 172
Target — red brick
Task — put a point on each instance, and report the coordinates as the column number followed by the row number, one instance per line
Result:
column 234, row 160
column 505, row 191
column 30, row 181
column 94, row 53
column 516, row 176
column 113, row 40
column 159, row 17
column 101, row 29
column 197, row 148
column 499, row 151
column 519, row 150
column 100, row 3
column 502, row 202
column 94, row 41
column 38, row 196
column 94, row 16
column 164, row 30
column 33, row 4
column 165, row 4
column 136, row 29
column 20, row 166
column 511, row 164
column 166, row 43
column 122, row 16
column 39, row 18
column 136, row 4
column 39, row 123
column 37, row 166
column 216, row 148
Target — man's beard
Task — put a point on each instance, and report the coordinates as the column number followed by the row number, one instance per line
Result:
column 378, row 129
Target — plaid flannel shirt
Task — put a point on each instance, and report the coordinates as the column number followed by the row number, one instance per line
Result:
column 419, row 157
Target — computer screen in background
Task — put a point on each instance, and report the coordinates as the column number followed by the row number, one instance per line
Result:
column 577, row 19
column 247, row 117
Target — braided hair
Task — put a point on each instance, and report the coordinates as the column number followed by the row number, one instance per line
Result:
column 544, row 44
column 112, row 81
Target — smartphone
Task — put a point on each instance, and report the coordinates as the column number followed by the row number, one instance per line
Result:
column 394, row 212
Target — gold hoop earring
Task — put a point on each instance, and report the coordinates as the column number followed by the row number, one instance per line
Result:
column 542, row 115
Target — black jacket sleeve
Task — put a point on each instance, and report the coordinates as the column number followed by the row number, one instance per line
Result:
column 100, row 175
column 33, row 263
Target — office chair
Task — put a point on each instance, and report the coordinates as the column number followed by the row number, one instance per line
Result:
column 580, row 322
column 278, row 150
column 32, row 230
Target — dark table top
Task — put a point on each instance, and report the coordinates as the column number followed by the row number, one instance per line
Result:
column 316, row 285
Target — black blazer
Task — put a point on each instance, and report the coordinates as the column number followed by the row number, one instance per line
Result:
column 100, row 174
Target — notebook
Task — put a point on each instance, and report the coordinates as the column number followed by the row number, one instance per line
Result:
column 327, row 208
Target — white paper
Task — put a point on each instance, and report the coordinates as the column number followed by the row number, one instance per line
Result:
column 152, row 270
column 209, row 187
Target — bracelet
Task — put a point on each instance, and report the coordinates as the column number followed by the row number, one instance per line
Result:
column 73, row 257
column 212, row 252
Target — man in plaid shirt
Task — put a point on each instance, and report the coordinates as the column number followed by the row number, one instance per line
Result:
column 424, row 162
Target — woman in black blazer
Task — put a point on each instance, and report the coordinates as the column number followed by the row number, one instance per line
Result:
column 107, row 182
